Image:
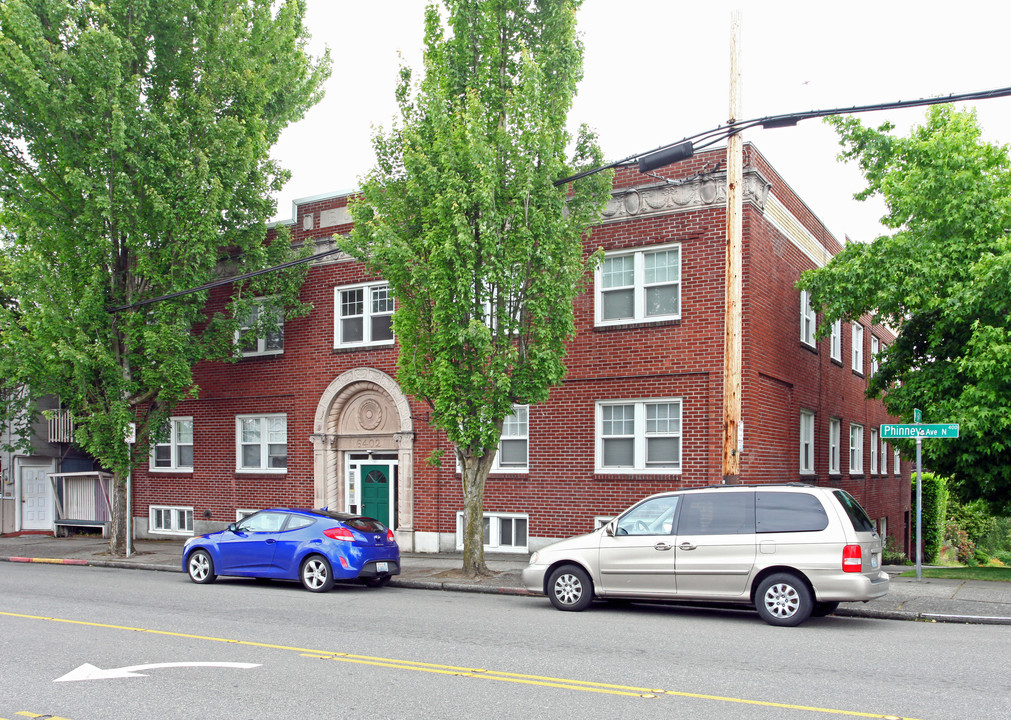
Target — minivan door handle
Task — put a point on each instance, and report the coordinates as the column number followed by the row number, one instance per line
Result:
column 687, row 546
column 662, row 546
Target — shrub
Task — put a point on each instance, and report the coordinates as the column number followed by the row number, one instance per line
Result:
column 973, row 517
column 891, row 554
column 998, row 538
column 1004, row 556
column 935, row 506
column 981, row 557
column 961, row 543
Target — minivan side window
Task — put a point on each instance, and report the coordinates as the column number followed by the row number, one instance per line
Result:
column 717, row 514
column 652, row 517
column 789, row 512
column 857, row 515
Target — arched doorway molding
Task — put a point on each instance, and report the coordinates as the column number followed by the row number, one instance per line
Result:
column 364, row 410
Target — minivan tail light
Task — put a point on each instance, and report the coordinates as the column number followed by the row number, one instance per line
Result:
column 339, row 533
column 852, row 558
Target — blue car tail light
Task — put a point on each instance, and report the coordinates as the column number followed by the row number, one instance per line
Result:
column 339, row 533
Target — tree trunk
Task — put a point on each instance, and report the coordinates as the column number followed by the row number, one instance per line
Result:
column 117, row 524
column 474, row 474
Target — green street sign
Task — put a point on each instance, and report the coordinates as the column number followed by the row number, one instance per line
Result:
column 891, row 432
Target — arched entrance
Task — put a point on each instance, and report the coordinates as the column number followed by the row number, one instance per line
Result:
column 363, row 443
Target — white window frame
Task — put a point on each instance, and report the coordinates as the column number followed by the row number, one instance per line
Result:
column 884, row 457
column 896, row 459
column 639, row 437
column 495, row 521
column 806, row 442
column 808, row 319
column 834, row 433
column 367, row 315
column 264, row 444
column 174, row 444
column 858, row 348
column 856, row 449
column 875, row 349
column 243, row 513
column 261, row 342
column 639, row 286
column 180, row 520
column 515, row 428
column 874, row 451
column 835, row 341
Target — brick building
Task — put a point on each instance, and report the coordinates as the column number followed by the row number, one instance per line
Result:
column 314, row 416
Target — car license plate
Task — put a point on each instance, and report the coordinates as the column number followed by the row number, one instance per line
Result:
column 382, row 567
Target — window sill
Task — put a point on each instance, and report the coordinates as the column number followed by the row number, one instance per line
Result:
column 247, row 474
column 172, row 471
column 625, row 475
column 340, row 349
column 636, row 324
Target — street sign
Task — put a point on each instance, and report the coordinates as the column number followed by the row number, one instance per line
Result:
column 891, row 432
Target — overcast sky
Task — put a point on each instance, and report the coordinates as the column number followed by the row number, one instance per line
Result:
column 658, row 70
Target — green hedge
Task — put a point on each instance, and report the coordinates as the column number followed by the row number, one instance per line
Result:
column 935, row 508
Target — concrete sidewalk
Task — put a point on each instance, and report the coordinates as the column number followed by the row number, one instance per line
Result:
column 958, row 601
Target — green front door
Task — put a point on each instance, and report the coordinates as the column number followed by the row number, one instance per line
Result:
column 376, row 492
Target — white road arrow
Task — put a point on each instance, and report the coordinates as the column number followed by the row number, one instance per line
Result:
column 90, row 672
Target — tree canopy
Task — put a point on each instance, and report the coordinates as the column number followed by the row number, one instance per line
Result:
column 461, row 216
column 134, row 164
column 942, row 281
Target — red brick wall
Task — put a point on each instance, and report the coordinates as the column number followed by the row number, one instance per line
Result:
column 561, row 492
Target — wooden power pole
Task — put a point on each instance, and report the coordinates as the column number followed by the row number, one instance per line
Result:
column 732, row 427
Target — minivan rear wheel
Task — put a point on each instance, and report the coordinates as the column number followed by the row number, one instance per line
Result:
column 570, row 588
column 784, row 600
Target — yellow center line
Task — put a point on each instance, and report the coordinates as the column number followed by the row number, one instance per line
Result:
column 543, row 681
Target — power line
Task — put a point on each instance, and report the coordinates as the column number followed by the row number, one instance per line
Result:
column 225, row 281
column 721, row 132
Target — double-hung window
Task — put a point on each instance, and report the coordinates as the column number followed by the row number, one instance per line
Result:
column 835, row 341
column 363, row 315
column 856, row 449
column 639, row 286
column 834, row 430
column 874, row 451
column 639, row 436
column 261, row 443
column 513, row 447
column 858, row 348
column 806, row 442
column 884, row 457
column 174, row 451
column 875, row 350
column 807, row 319
column 270, row 342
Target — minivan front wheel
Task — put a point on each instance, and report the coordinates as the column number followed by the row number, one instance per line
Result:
column 783, row 599
column 570, row 588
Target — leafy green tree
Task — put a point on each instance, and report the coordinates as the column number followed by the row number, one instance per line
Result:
column 941, row 280
column 461, row 216
column 134, row 164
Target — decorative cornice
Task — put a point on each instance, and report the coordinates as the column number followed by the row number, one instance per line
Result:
column 699, row 193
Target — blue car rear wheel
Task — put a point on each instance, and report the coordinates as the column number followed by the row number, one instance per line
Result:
column 316, row 574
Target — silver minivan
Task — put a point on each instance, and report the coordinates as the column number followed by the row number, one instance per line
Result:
column 791, row 551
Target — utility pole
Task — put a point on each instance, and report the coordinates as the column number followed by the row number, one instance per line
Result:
column 732, row 427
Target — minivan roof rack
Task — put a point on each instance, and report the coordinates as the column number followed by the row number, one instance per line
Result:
column 752, row 485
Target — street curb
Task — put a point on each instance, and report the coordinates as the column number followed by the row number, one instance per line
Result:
column 460, row 587
column 48, row 561
column 122, row 565
column 450, row 586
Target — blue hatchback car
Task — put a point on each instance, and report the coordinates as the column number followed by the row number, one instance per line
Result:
column 316, row 547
